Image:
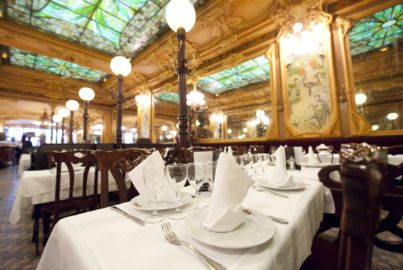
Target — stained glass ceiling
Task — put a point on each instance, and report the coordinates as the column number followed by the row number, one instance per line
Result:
column 250, row 72
column 169, row 97
column 53, row 66
column 377, row 31
column 112, row 26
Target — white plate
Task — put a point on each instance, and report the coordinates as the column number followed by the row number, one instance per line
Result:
column 256, row 230
column 318, row 165
column 140, row 203
column 296, row 186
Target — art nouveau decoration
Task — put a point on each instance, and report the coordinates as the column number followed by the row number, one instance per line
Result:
column 307, row 75
column 144, row 114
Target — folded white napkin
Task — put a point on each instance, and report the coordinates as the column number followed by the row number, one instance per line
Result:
column 230, row 188
column 322, row 146
column 167, row 194
column 298, row 154
column 312, row 159
column 280, row 176
column 230, row 152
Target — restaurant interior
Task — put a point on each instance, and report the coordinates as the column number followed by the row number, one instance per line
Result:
column 201, row 134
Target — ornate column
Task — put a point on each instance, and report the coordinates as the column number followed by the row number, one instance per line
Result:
column 145, row 115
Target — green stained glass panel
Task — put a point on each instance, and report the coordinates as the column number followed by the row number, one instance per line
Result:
column 111, row 26
column 379, row 30
column 54, row 66
column 253, row 71
column 169, row 97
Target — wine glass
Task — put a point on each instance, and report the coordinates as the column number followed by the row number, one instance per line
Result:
column 196, row 173
column 177, row 174
column 154, row 185
column 210, row 173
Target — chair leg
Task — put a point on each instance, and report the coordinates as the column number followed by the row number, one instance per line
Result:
column 46, row 227
column 35, row 233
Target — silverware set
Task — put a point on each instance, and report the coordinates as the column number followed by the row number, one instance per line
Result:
column 172, row 238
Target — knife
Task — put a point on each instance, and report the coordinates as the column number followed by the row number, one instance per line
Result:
column 134, row 218
column 278, row 220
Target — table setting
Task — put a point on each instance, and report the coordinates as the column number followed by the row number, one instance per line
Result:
column 239, row 228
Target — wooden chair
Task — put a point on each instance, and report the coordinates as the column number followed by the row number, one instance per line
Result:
column 73, row 201
column 362, row 185
column 118, row 163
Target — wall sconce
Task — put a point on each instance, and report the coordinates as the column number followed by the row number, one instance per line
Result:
column 375, row 127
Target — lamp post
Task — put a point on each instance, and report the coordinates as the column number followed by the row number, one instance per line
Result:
column 57, row 119
column 63, row 112
column 181, row 17
column 72, row 105
column 121, row 67
column 86, row 94
column 164, row 129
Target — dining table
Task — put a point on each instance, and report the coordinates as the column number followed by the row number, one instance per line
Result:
column 38, row 186
column 24, row 163
column 106, row 239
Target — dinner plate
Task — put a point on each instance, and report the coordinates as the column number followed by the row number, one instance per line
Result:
column 296, row 186
column 140, row 203
column 257, row 229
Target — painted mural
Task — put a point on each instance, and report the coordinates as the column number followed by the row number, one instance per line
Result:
column 308, row 91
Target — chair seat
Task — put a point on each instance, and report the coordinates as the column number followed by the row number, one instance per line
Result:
column 72, row 204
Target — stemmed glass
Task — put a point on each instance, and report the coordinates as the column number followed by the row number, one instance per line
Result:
column 177, row 174
column 154, row 185
column 196, row 173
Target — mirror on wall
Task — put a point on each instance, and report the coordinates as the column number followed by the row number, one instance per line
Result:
column 376, row 45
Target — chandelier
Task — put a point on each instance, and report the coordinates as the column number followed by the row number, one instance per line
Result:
column 195, row 98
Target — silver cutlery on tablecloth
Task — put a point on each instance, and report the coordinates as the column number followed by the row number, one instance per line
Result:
column 134, row 218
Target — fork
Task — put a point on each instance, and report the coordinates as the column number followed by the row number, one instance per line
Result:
column 172, row 238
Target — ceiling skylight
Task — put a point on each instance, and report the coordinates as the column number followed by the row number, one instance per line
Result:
column 250, row 72
column 377, row 31
column 169, row 97
column 112, row 26
column 54, row 66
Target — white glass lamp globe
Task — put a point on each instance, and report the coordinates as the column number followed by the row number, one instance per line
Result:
column 86, row 94
column 180, row 14
column 392, row 116
column 72, row 105
column 121, row 66
column 57, row 118
column 260, row 114
column 229, row 131
column 375, row 127
column 63, row 112
column 164, row 128
column 360, row 98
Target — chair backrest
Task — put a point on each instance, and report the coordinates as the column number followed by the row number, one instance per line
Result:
column 362, row 184
column 118, row 163
column 326, row 176
column 186, row 155
column 84, row 158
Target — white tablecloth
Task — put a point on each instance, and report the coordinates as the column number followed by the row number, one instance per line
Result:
column 36, row 187
column 104, row 239
column 24, row 164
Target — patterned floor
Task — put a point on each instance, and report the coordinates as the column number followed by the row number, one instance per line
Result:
column 17, row 252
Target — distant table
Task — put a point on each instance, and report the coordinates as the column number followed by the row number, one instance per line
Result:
column 24, row 164
column 104, row 239
column 37, row 187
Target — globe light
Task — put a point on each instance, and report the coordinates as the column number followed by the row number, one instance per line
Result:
column 120, row 65
column 72, row 105
column 375, row 127
column 260, row 114
column 297, row 27
column 180, row 14
column 63, row 112
column 229, row 131
column 57, row 118
column 164, row 128
column 245, row 130
column 360, row 98
column 392, row 116
column 86, row 94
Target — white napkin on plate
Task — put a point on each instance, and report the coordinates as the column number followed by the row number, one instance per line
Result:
column 312, row 159
column 280, row 176
column 230, row 152
column 230, row 188
column 155, row 160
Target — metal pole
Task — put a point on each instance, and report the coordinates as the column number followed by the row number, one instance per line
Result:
column 57, row 129
column 71, row 126
column 183, row 138
column 119, row 100
column 62, row 141
column 85, row 125
column 51, row 127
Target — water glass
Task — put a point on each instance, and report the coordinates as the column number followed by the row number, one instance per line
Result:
column 154, row 184
column 196, row 174
column 177, row 175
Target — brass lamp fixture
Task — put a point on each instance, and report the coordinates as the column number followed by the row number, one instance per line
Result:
column 72, row 105
column 121, row 67
column 181, row 17
column 86, row 94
